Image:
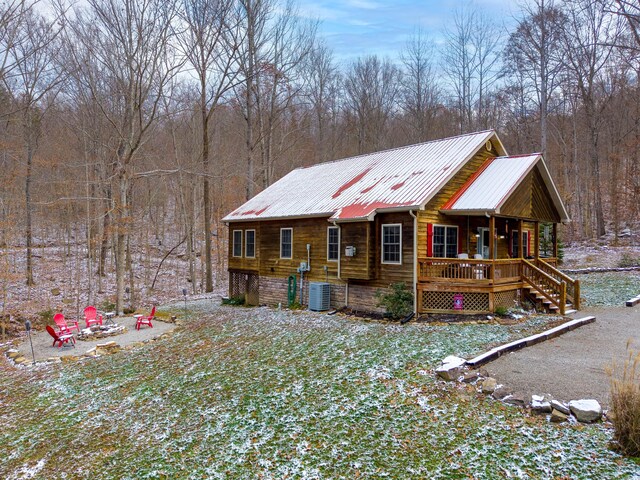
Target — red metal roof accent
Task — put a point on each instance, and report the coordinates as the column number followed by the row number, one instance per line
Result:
column 250, row 212
column 362, row 210
column 468, row 183
column 351, row 183
column 371, row 187
column 397, row 186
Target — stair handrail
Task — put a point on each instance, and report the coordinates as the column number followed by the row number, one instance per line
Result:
column 559, row 286
column 575, row 284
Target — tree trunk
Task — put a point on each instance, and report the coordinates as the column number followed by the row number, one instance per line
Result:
column 206, row 191
column 121, row 238
column 27, row 195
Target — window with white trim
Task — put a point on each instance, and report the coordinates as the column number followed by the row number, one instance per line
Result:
column 237, row 243
column 333, row 243
column 286, row 243
column 250, row 244
column 392, row 243
column 445, row 241
column 515, row 239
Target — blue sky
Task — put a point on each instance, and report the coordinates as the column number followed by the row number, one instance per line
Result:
column 360, row 27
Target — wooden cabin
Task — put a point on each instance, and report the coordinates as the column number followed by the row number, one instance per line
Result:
column 457, row 220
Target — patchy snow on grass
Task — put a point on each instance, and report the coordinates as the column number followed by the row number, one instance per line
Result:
column 609, row 288
column 261, row 393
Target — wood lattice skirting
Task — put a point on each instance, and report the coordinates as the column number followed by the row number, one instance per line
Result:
column 433, row 298
column 245, row 284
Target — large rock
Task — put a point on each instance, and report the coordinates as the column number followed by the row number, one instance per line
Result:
column 586, row 411
column 558, row 416
column 500, row 392
column 69, row 358
column 489, row 385
column 561, row 407
column 516, row 400
column 539, row 404
column 21, row 360
column 451, row 367
column 470, row 377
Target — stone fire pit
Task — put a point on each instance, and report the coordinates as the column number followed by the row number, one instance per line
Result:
column 101, row 331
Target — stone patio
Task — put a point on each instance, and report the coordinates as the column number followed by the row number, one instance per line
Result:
column 122, row 338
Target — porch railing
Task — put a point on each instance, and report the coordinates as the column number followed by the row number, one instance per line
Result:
column 550, row 283
column 573, row 286
column 550, row 288
column 465, row 270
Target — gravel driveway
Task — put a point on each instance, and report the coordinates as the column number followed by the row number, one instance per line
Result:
column 573, row 365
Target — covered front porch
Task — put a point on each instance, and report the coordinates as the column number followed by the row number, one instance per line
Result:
column 516, row 263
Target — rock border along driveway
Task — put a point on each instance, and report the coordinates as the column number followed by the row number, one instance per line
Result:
column 528, row 341
column 575, row 364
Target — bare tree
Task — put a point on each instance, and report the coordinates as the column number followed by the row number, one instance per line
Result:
column 471, row 61
column 210, row 43
column 323, row 92
column 372, row 87
column 32, row 81
column 275, row 45
column 12, row 17
column 588, row 38
column 123, row 53
column 420, row 93
column 630, row 11
column 532, row 54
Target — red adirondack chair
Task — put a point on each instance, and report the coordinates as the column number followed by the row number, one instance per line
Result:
column 92, row 317
column 142, row 320
column 60, row 339
column 63, row 326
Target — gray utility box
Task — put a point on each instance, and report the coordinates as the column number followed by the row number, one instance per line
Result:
column 319, row 296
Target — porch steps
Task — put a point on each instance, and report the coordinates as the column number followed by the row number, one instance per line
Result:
column 568, row 309
column 547, row 305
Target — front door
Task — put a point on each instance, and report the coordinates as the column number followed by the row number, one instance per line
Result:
column 483, row 243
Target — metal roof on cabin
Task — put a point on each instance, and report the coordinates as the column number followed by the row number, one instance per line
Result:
column 495, row 181
column 357, row 187
column 497, row 178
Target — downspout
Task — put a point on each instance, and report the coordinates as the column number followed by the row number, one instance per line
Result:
column 346, row 288
column 415, row 262
column 339, row 246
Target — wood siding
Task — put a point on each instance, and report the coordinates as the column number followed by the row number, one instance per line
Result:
column 543, row 208
column 431, row 213
column 364, row 268
column 243, row 263
column 360, row 266
column 386, row 274
column 531, row 200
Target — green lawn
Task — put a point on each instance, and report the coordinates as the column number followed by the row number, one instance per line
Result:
column 609, row 288
column 257, row 393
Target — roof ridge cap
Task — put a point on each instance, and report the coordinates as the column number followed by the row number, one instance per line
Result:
column 362, row 155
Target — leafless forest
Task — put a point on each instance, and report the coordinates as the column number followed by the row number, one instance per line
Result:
column 130, row 127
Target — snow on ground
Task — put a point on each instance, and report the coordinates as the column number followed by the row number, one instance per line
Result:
column 588, row 255
column 63, row 283
column 261, row 393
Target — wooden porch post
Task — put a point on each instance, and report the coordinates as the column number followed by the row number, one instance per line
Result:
column 536, row 240
column 555, row 240
column 520, row 234
column 492, row 242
